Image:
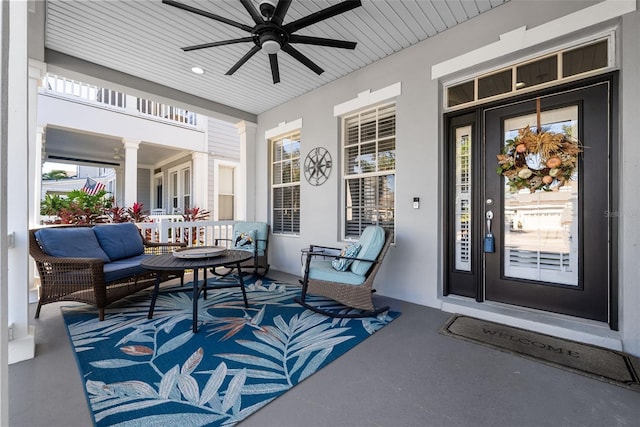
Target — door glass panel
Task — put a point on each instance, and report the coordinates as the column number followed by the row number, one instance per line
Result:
column 541, row 228
column 463, row 199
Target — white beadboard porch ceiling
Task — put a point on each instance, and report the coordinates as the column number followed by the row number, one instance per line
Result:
column 143, row 39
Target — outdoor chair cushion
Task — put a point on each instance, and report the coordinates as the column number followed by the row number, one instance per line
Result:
column 321, row 269
column 245, row 240
column 262, row 233
column 351, row 250
column 119, row 240
column 123, row 268
column 371, row 240
column 72, row 242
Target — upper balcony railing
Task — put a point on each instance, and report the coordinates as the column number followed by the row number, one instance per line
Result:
column 117, row 100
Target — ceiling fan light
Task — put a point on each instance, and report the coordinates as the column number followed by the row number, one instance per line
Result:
column 270, row 46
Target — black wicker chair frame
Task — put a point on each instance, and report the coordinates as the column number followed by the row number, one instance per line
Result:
column 357, row 297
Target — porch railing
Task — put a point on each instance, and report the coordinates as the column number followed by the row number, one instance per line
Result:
column 193, row 233
column 118, row 100
column 85, row 91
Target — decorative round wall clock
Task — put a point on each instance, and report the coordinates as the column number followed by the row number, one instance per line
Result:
column 317, row 166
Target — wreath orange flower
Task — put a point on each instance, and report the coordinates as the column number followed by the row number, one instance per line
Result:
column 538, row 161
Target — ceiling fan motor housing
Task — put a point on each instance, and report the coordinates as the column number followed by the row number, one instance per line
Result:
column 267, row 7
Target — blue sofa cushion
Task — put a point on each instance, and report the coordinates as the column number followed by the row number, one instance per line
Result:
column 119, row 240
column 124, row 268
column 342, row 264
column 321, row 269
column 262, row 233
column 71, row 242
column 372, row 241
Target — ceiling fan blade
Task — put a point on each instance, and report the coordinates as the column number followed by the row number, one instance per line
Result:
column 319, row 41
column 281, row 11
column 208, row 15
column 300, row 57
column 220, row 43
column 255, row 15
column 321, row 15
column 242, row 60
column 275, row 71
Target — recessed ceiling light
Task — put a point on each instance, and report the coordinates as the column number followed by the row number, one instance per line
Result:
column 197, row 70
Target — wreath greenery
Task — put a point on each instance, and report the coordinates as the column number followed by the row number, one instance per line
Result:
column 538, row 161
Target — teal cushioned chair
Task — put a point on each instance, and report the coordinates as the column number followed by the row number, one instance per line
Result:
column 352, row 288
column 260, row 248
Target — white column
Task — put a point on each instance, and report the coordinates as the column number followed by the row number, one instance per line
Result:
column 22, row 346
column 37, row 70
column 199, row 180
column 130, row 171
column 4, row 143
column 247, row 177
column 119, row 187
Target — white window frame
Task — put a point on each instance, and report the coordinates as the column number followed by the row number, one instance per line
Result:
column 158, row 177
column 365, row 101
column 280, row 132
column 217, row 163
column 179, row 194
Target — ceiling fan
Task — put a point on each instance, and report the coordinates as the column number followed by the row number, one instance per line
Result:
column 270, row 33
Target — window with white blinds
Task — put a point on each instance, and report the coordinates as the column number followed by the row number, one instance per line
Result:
column 369, row 144
column 226, row 193
column 285, row 184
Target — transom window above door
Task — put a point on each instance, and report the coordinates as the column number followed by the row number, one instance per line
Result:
column 560, row 66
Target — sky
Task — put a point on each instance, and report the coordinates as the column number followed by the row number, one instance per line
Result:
column 49, row 166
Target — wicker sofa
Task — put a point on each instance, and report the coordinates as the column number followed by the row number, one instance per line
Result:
column 97, row 265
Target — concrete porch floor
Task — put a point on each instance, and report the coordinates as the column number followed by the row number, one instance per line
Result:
column 407, row 374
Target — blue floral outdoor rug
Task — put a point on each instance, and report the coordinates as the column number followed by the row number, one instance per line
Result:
column 141, row 372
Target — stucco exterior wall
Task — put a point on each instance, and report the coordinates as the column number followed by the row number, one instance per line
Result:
column 412, row 270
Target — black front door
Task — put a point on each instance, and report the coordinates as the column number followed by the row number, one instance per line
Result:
column 552, row 248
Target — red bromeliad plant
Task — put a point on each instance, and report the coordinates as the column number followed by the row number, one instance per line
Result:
column 136, row 213
column 191, row 215
column 195, row 214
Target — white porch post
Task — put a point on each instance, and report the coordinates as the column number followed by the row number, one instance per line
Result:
column 37, row 70
column 247, row 177
column 130, row 171
column 22, row 346
column 4, row 143
column 199, row 179
column 119, row 187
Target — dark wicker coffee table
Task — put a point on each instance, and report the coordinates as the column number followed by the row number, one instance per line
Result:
column 168, row 262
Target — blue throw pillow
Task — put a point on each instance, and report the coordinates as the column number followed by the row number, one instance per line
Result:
column 351, row 251
column 119, row 241
column 245, row 240
column 70, row 242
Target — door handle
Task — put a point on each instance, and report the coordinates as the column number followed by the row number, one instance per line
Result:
column 489, row 241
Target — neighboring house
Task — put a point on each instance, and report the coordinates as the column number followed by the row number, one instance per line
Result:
column 170, row 148
column 62, row 187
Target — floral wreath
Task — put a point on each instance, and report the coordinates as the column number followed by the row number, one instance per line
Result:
column 538, row 160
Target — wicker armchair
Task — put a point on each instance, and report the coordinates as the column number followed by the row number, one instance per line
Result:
column 344, row 287
column 83, row 279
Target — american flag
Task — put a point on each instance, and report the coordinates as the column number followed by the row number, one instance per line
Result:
column 92, row 187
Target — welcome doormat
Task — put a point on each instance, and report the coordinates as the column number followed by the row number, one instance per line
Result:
column 596, row 362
